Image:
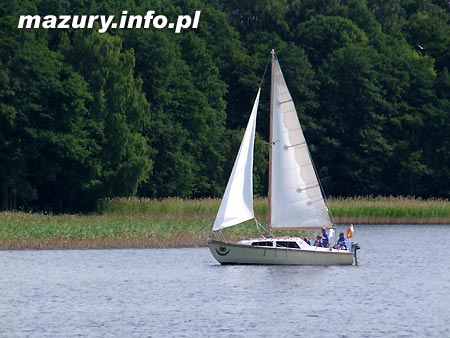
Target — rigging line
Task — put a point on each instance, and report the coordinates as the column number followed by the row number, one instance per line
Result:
column 321, row 188
column 265, row 70
column 259, row 227
column 223, row 236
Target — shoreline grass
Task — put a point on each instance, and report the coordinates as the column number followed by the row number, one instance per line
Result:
column 145, row 223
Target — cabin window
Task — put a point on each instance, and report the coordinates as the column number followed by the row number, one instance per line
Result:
column 288, row 244
column 262, row 244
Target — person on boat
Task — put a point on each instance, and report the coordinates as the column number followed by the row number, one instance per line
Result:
column 325, row 240
column 307, row 241
column 318, row 241
column 341, row 242
column 350, row 231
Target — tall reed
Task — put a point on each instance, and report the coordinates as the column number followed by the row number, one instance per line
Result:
column 390, row 210
column 178, row 222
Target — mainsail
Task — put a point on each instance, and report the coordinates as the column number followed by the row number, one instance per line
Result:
column 237, row 202
column 296, row 197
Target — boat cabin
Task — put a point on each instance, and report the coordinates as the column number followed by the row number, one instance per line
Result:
column 291, row 243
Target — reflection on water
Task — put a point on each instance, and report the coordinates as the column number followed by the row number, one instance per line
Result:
column 399, row 289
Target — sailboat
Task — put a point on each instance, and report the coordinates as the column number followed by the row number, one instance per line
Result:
column 295, row 199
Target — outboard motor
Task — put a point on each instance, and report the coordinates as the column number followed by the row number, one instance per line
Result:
column 354, row 247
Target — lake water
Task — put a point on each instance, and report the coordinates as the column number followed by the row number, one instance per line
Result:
column 401, row 288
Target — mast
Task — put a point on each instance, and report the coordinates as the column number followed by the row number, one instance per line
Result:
column 272, row 89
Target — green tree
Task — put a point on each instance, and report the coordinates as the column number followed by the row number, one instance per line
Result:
column 354, row 149
column 321, row 35
column 436, row 141
column 430, row 34
column 47, row 149
column 119, row 111
column 387, row 13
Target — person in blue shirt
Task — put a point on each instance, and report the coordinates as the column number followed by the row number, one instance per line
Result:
column 325, row 240
column 306, row 239
column 341, row 242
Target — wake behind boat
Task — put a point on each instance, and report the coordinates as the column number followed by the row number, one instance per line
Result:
column 295, row 197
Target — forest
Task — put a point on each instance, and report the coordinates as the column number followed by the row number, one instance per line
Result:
column 86, row 115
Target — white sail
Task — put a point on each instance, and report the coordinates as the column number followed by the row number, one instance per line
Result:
column 237, row 202
column 296, row 197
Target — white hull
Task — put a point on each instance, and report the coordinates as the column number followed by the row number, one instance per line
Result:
column 233, row 253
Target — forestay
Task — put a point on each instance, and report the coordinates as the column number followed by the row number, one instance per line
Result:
column 296, row 197
column 237, row 202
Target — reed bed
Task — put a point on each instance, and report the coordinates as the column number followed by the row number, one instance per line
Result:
column 390, row 210
column 139, row 223
column 363, row 210
column 20, row 230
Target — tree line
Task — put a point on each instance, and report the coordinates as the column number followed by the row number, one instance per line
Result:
column 87, row 115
